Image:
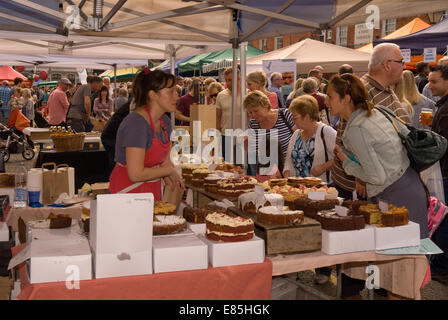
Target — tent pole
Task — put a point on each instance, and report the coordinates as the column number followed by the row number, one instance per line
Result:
column 243, row 49
column 173, row 72
column 115, row 81
column 235, row 45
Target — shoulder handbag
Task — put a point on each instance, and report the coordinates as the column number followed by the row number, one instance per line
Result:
column 326, row 154
column 424, row 147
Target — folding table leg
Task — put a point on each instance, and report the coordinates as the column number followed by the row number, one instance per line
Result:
column 339, row 283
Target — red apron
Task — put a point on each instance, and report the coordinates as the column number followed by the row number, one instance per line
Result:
column 154, row 156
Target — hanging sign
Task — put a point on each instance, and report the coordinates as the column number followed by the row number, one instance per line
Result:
column 287, row 67
column 430, row 55
column 406, row 55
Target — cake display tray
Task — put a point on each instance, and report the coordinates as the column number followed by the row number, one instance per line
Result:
column 295, row 238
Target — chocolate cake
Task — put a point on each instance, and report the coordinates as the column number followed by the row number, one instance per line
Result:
column 277, row 182
column 168, row 224
column 196, row 215
column 249, row 203
column 163, row 207
column 198, row 177
column 236, row 187
column 60, row 221
column 333, row 222
column 221, row 227
column 311, row 207
column 211, row 181
column 395, row 217
column 274, row 215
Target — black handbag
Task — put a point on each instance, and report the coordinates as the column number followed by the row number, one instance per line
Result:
column 424, row 147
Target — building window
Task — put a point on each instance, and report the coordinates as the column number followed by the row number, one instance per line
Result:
column 362, row 35
column 329, row 34
column 278, row 42
column 389, row 25
column 341, row 36
column 56, row 76
column 71, row 77
column 264, row 44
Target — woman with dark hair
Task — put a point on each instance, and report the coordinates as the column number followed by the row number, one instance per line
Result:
column 374, row 152
column 142, row 150
column 103, row 105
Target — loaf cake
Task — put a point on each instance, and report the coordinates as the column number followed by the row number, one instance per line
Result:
column 60, row 221
column 274, row 215
column 221, row 227
column 395, row 217
column 168, row 224
column 333, row 222
column 236, row 186
column 196, row 215
column 304, row 181
column 163, row 207
column 228, row 167
column 249, row 203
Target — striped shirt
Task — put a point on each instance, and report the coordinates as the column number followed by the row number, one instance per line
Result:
column 385, row 97
column 284, row 131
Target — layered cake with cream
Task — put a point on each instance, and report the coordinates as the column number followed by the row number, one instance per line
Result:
column 274, row 215
column 196, row 215
column 188, row 168
column 211, row 181
column 312, row 207
column 222, row 227
column 250, row 203
column 277, row 182
column 168, row 224
column 395, row 217
column 304, row 181
column 163, row 207
column 236, row 186
column 333, row 222
column 228, row 167
column 198, row 177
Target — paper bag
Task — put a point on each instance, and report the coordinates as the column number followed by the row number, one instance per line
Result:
column 206, row 115
column 49, row 183
column 65, row 177
column 173, row 197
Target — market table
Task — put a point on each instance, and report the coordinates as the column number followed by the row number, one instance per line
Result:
column 242, row 282
column 91, row 166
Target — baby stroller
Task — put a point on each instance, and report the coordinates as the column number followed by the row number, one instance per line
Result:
column 15, row 143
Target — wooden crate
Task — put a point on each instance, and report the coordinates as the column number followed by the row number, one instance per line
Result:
column 297, row 238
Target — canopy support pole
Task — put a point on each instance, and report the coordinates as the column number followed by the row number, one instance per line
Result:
column 173, row 72
column 115, row 81
column 243, row 49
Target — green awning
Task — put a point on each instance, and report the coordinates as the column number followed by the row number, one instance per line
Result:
column 196, row 63
column 48, row 84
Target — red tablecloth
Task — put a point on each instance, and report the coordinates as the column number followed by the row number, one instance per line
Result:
column 248, row 282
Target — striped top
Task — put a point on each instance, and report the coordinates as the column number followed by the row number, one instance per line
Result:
column 385, row 97
column 284, row 131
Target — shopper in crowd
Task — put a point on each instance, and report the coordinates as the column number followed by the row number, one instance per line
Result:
column 81, row 108
column 257, row 80
column 345, row 68
column 28, row 105
column 292, row 95
column 103, row 105
column 415, row 98
column 421, row 79
column 18, row 83
column 224, row 103
column 122, row 98
column 267, row 123
column 58, row 104
column 426, row 92
column 16, row 100
column 310, row 87
column 143, row 140
column 276, row 86
column 184, row 103
column 180, row 81
column 5, row 95
column 310, row 151
column 187, row 83
column 399, row 92
column 320, row 75
column 213, row 90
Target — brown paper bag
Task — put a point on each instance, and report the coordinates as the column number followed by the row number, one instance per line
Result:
column 62, row 180
column 172, row 196
column 49, row 183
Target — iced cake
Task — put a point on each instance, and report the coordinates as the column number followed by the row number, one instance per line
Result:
column 333, row 222
column 236, row 186
column 274, row 215
column 221, row 227
column 196, row 215
column 250, row 203
column 168, row 224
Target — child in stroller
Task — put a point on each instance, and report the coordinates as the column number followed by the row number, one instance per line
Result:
column 15, row 142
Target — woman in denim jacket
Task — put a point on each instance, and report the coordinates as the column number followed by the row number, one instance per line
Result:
column 374, row 152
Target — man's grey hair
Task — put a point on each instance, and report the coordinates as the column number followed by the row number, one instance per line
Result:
column 381, row 53
column 275, row 74
column 443, row 61
column 309, row 85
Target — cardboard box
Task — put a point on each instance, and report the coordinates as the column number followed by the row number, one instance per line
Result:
column 4, row 231
column 206, row 115
column 221, row 254
column 100, row 188
column 121, row 234
column 397, row 237
column 179, row 253
column 59, row 255
column 338, row 242
column 197, row 228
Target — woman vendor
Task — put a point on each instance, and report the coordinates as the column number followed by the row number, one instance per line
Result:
column 143, row 139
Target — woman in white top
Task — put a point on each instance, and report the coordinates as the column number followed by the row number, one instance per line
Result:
column 310, row 150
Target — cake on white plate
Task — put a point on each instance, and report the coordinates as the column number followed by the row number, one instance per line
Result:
column 222, row 227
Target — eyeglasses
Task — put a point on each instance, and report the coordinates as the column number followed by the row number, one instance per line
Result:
column 398, row 61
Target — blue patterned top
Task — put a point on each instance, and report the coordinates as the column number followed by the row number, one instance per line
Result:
column 303, row 155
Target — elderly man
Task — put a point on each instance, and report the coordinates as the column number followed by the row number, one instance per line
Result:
column 320, row 75
column 421, row 79
column 426, row 92
column 276, row 86
column 58, row 103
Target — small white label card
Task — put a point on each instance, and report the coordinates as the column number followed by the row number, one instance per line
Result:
column 259, row 191
column 189, row 198
column 314, row 195
column 384, row 206
column 228, row 203
column 355, row 195
column 341, row 211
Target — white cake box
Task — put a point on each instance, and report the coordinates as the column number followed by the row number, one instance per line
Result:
column 397, row 237
column 197, row 228
column 178, row 253
column 4, row 231
column 121, row 234
column 338, row 242
column 59, row 255
column 221, row 254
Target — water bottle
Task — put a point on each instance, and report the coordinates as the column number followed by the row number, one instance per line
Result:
column 20, row 193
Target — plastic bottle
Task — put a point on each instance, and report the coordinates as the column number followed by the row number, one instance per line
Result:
column 20, row 194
